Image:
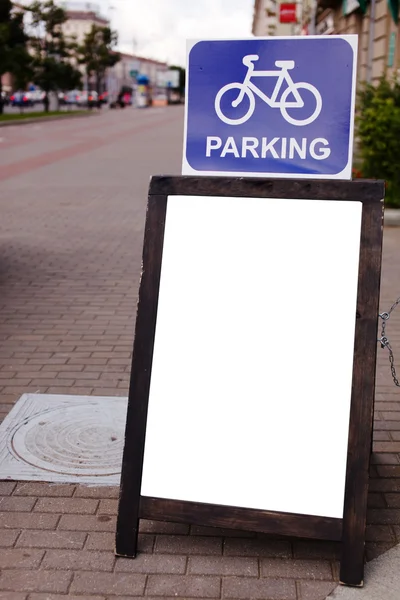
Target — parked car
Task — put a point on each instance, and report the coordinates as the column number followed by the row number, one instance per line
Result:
column 61, row 98
column 21, row 99
column 104, row 97
column 89, row 99
column 5, row 98
column 72, row 96
column 36, row 96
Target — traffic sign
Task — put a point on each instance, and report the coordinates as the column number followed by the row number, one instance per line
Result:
column 276, row 107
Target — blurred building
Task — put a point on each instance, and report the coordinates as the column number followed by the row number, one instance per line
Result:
column 265, row 18
column 130, row 66
column 124, row 74
column 376, row 24
column 281, row 18
column 81, row 18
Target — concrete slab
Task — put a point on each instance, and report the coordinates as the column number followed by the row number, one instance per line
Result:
column 382, row 580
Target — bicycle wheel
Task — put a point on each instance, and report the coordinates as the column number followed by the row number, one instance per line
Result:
column 247, row 115
column 317, row 110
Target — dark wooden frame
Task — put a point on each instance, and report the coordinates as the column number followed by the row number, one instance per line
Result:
column 351, row 529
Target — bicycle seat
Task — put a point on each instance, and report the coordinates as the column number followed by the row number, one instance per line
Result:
column 285, row 64
column 247, row 60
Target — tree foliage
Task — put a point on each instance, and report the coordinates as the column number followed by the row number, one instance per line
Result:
column 53, row 51
column 378, row 127
column 14, row 56
column 97, row 52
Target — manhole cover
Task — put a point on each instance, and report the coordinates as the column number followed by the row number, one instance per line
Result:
column 54, row 438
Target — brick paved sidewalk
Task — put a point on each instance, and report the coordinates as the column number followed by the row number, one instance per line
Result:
column 70, row 247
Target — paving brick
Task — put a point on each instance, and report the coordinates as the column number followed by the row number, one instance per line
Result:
column 31, row 520
column 113, row 584
column 185, row 587
column 252, row 588
column 84, row 391
column 43, row 489
column 8, row 538
column 106, row 541
column 257, row 547
column 387, row 426
column 320, row 550
column 102, row 541
column 376, row 500
column 12, row 596
column 76, row 559
column 108, row 507
column 7, row 375
column 11, row 503
column 152, row 563
column 381, row 436
column 391, row 416
column 383, row 516
column 387, row 406
column 297, row 569
column 396, row 531
column 393, row 500
column 182, row 544
column 87, row 523
column 63, row 597
column 378, row 533
column 51, row 539
column 384, row 485
column 213, row 531
column 20, row 558
column 34, row 581
column 7, row 488
column 316, row 590
column 103, row 492
column 146, row 526
column 223, row 565
column 80, row 506
column 385, row 459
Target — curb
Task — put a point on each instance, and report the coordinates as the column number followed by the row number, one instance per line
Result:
column 47, row 119
column 392, row 217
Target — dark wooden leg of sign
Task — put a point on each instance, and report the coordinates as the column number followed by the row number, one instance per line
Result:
column 362, row 400
column 132, row 463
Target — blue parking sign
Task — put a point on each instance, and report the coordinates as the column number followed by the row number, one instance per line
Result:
column 271, row 107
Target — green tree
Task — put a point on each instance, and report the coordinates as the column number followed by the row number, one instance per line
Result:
column 97, row 53
column 14, row 56
column 54, row 53
column 378, row 128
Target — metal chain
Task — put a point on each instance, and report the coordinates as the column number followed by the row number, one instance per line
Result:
column 385, row 316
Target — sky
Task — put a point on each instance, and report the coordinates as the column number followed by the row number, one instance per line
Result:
column 159, row 28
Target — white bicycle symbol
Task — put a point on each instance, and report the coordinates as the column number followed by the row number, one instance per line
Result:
column 247, row 88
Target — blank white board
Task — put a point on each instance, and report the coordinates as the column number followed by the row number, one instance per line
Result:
column 251, row 380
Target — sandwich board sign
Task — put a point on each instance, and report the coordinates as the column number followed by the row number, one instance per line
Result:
column 217, row 433
column 220, row 431
column 271, row 107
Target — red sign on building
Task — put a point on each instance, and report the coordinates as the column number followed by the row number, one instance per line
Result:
column 287, row 13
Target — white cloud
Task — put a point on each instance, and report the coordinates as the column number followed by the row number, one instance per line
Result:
column 159, row 28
